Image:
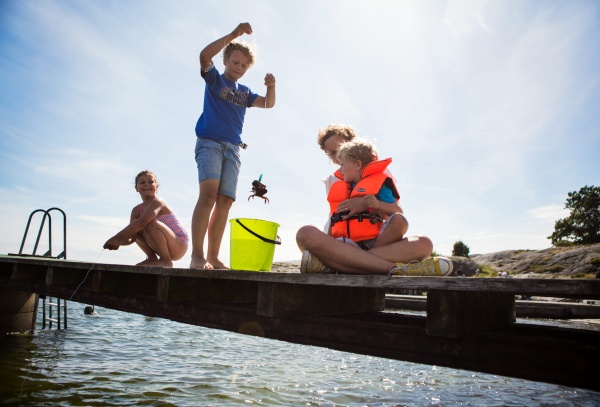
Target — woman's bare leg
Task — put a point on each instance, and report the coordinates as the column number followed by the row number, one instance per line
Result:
column 350, row 259
column 339, row 255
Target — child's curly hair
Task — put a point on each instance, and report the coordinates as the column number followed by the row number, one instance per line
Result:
column 348, row 133
column 239, row 46
column 357, row 149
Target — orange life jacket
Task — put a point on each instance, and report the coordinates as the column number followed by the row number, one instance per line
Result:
column 360, row 226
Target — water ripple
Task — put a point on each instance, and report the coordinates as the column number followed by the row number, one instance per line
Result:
column 119, row 359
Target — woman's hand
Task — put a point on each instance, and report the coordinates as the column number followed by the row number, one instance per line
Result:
column 353, row 206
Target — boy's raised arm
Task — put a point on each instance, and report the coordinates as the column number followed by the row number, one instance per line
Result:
column 212, row 49
column 267, row 101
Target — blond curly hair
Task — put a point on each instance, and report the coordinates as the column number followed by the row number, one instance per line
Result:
column 242, row 47
column 357, row 149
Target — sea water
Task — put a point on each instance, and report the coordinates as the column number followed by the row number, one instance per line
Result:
column 115, row 358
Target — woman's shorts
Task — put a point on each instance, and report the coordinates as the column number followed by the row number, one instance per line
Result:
column 369, row 244
column 218, row 160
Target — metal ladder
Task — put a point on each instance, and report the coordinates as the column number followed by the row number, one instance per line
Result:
column 49, row 305
column 49, row 317
column 39, row 235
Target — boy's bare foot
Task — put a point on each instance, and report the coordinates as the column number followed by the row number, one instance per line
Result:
column 218, row 265
column 201, row 264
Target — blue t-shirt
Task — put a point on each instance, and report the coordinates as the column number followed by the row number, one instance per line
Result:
column 225, row 104
column 385, row 194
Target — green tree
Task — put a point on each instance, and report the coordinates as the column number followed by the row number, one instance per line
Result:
column 582, row 226
column 460, row 249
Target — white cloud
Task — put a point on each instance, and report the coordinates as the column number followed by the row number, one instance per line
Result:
column 550, row 212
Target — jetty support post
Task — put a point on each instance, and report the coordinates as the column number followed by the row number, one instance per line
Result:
column 455, row 314
column 283, row 300
column 18, row 311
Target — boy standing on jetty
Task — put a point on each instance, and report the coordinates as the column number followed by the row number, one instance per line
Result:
column 218, row 144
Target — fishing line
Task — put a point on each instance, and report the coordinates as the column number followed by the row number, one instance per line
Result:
column 86, row 274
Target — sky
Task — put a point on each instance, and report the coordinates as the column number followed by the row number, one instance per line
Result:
column 488, row 109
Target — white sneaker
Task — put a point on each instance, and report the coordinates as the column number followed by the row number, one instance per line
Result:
column 431, row 267
column 310, row 264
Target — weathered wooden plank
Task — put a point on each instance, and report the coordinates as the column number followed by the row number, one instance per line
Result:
column 162, row 290
column 455, row 314
column 189, row 289
column 127, row 283
column 544, row 309
column 279, row 300
column 57, row 275
column 523, row 309
column 33, row 272
column 570, row 288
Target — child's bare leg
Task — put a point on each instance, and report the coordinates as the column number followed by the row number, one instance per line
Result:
column 157, row 240
column 395, row 229
column 216, row 229
column 165, row 243
column 200, row 219
column 148, row 251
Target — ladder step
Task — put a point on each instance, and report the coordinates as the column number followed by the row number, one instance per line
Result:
column 52, row 320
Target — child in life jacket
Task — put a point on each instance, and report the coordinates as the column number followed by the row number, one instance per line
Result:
column 363, row 175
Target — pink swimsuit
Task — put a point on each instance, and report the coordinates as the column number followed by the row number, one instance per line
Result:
column 172, row 221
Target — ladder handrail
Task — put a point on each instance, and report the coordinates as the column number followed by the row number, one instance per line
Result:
column 64, row 252
column 27, row 230
column 37, row 241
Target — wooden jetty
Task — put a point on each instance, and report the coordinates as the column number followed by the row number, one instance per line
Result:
column 469, row 324
column 523, row 308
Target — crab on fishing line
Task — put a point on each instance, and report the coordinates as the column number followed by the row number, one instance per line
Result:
column 259, row 189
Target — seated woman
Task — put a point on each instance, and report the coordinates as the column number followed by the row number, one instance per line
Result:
column 153, row 226
column 387, row 251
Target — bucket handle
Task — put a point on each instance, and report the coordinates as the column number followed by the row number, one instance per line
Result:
column 264, row 239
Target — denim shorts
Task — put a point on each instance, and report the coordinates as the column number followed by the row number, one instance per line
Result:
column 218, row 160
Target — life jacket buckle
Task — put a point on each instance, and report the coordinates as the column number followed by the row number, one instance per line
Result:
column 337, row 217
column 372, row 216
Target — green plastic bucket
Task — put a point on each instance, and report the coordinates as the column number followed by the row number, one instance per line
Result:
column 252, row 244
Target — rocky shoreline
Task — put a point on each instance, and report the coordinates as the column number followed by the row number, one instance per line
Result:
column 554, row 262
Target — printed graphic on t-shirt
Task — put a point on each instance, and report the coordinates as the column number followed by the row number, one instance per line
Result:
column 232, row 95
